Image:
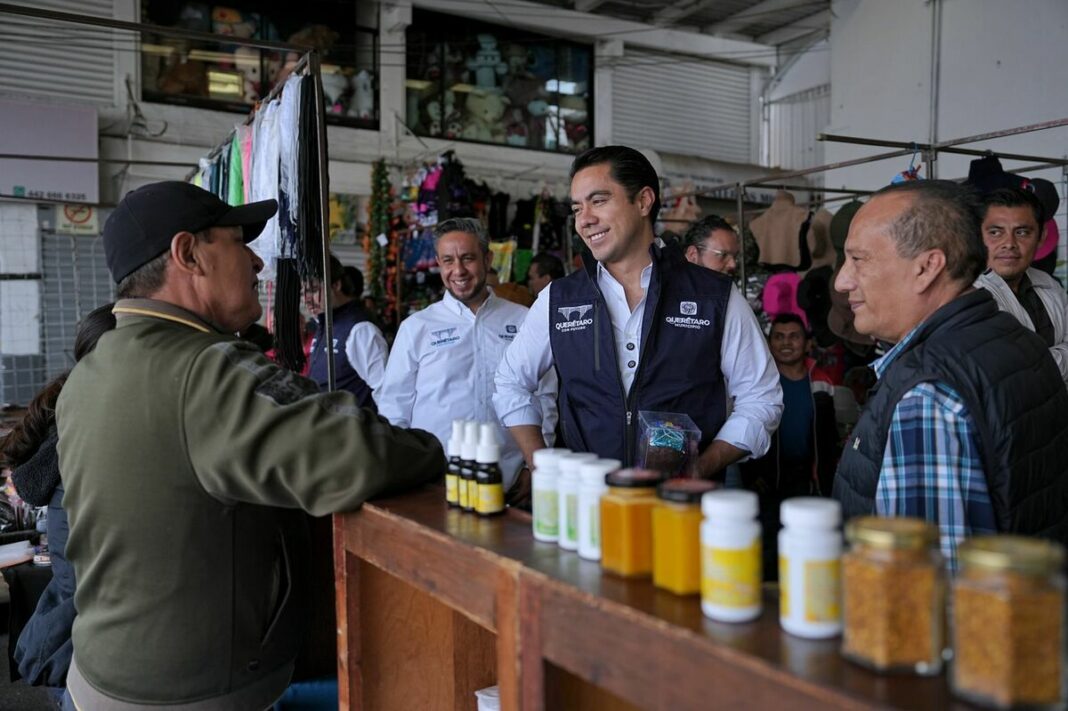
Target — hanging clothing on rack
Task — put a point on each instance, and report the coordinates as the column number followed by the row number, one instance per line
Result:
column 288, row 192
column 264, row 184
column 235, row 192
column 778, row 232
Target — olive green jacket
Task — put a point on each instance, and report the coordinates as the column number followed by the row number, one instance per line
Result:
column 187, row 457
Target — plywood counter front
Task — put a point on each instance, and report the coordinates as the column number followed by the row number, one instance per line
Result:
column 434, row 603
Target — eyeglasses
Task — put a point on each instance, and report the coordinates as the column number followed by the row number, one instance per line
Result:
column 718, row 252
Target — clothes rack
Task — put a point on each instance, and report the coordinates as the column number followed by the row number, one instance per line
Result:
column 930, row 151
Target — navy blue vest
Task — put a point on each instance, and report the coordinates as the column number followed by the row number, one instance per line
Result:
column 345, row 376
column 678, row 367
column 1010, row 384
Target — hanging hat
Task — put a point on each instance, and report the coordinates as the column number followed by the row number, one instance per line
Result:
column 986, row 174
column 780, row 295
column 840, row 228
column 840, row 319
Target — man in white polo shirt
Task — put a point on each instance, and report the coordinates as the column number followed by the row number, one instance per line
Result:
column 444, row 358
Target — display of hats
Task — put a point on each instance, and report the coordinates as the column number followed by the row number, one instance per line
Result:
column 814, row 297
column 1050, row 240
column 840, row 319
column 986, row 174
column 840, row 228
column 780, row 296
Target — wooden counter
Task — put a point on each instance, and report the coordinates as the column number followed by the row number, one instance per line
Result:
column 434, row 603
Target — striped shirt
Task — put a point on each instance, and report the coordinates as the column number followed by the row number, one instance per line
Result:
column 932, row 467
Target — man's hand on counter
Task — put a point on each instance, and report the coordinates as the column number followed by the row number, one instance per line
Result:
column 518, row 495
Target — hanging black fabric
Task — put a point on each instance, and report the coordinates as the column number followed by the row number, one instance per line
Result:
column 309, row 221
column 289, row 346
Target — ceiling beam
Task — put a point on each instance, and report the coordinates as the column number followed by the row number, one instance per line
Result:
column 752, row 15
column 588, row 5
column 805, row 26
column 585, row 26
column 679, row 10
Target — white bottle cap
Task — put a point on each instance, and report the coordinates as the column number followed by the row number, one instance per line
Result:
column 457, row 440
column 811, row 512
column 487, row 433
column 734, row 504
column 488, row 453
column 592, row 473
column 469, row 448
column 569, row 464
column 547, row 457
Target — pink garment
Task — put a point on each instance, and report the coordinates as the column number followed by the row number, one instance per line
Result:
column 780, row 296
column 246, row 160
column 1053, row 236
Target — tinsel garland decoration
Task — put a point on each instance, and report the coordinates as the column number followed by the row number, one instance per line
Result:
column 378, row 223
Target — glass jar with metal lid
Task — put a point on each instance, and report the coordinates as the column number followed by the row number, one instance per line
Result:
column 893, row 595
column 627, row 521
column 1008, row 623
column 677, row 535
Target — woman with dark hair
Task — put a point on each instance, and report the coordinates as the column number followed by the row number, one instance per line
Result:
column 44, row 648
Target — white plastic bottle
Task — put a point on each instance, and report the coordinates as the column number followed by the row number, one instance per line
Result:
column 568, row 487
column 730, row 556
column 545, row 516
column 810, row 571
column 591, row 486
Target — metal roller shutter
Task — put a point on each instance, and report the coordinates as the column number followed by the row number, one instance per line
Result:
column 682, row 105
column 46, row 58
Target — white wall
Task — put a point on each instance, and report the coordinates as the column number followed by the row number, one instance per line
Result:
column 1001, row 65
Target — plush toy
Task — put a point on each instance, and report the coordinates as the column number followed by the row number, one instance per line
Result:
column 487, row 64
column 484, row 112
column 517, row 58
column 454, row 125
column 433, row 111
column 230, row 22
column 336, row 89
column 542, row 62
column 515, row 131
column 363, row 100
column 187, row 78
column 318, row 37
column 578, row 131
column 537, row 111
column 247, row 60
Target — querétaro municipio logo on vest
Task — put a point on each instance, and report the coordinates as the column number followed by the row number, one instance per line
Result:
column 574, row 318
column 688, row 309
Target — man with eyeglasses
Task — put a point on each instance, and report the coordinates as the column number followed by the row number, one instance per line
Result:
column 712, row 243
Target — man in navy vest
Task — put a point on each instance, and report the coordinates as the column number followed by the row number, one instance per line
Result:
column 639, row 328
column 967, row 426
column 359, row 349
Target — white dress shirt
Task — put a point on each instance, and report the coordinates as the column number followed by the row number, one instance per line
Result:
column 366, row 350
column 442, row 368
column 750, row 375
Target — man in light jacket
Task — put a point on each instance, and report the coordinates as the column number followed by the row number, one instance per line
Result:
column 1012, row 230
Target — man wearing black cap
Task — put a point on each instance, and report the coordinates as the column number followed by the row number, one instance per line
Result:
column 187, row 459
column 1013, row 221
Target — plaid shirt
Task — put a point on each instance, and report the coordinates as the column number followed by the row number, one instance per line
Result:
column 931, row 466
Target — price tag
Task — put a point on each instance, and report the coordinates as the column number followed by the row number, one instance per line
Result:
column 382, row 240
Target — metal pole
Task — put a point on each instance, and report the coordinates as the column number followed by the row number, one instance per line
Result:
column 923, row 147
column 324, row 189
column 1056, row 123
column 741, row 235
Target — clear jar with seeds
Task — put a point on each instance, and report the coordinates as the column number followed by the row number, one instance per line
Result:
column 1008, row 623
column 893, row 596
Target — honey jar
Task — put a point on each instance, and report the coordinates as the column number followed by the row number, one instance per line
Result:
column 627, row 522
column 893, row 595
column 1008, row 623
column 677, row 535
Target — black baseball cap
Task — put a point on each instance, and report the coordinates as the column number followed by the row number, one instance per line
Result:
column 144, row 222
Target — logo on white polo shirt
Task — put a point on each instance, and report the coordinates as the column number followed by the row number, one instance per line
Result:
column 509, row 332
column 574, row 318
column 688, row 308
column 443, row 337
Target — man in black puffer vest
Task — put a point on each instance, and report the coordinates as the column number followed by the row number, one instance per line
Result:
column 968, row 426
column 638, row 328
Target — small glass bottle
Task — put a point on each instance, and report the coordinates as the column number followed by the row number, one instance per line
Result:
column 468, row 452
column 627, row 522
column 545, row 495
column 677, row 535
column 1008, row 623
column 893, row 595
column 730, row 556
column 490, row 483
column 591, row 487
column 810, row 567
column 568, row 489
column 452, row 474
